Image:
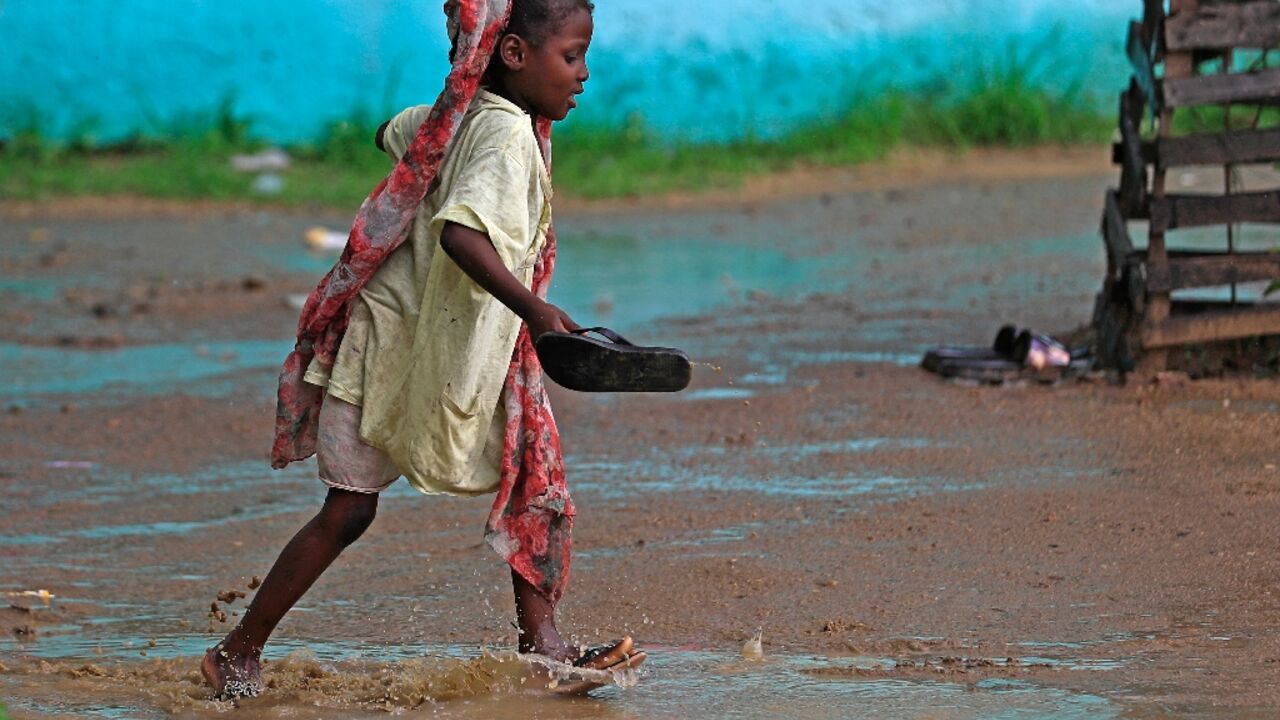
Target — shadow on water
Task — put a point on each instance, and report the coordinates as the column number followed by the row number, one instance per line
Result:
column 361, row 680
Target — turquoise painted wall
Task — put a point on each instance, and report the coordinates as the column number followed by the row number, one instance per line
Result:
column 702, row 69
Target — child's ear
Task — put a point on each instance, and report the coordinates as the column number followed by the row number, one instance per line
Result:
column 511, row 49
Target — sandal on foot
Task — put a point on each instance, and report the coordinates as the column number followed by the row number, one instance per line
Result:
column 607, row 659
column 586, row 364
column 605, row 656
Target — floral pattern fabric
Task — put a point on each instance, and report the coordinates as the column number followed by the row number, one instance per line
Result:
column 531, row 522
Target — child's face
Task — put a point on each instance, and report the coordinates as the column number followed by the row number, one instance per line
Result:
column 544, row 79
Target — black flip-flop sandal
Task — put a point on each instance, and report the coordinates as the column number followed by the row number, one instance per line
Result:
column 980, row 364
column 586, row 364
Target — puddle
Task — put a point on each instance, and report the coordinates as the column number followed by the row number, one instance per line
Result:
column 676, row 277
column 368, row 680
column 149, row 368
column 763, row 469
column 718, row 393
column 791, row 453
column 665, row 278
column 100, row 485
column 832, row 357
column 104, row 487
column 32, row 288
column 643, row 477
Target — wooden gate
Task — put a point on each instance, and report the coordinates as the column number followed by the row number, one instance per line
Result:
column 1193, row 58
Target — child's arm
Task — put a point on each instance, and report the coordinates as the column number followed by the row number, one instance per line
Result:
column 473, row 252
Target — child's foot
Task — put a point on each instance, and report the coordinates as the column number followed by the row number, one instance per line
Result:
column 231, row 676
column 548, row 643
column 598, row 658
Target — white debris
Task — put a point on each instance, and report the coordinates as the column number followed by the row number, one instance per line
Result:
column 325, row 240
column 269, row 160
column 45, row 596
column 268, row 184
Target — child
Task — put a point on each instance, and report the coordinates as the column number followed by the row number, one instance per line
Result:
column 425, row 369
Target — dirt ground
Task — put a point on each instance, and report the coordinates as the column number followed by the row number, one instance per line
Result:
column 1116, row 540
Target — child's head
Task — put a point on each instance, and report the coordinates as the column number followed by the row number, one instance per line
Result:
column 540, row 62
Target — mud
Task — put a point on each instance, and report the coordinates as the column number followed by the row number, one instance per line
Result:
column 910, row 548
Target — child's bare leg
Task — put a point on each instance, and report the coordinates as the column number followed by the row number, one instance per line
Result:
column 536, row 618
column 343, row 519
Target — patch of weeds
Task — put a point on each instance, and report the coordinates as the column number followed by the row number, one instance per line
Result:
column 1000, row 104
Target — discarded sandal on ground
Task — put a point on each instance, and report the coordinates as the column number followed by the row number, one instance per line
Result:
column 586, row 364
column 1014, row 355
column 1039, row 351
column 994, row 364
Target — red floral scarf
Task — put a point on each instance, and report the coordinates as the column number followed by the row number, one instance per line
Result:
column 532, row 517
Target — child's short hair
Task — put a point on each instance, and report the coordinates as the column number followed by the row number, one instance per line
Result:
column 537, row 20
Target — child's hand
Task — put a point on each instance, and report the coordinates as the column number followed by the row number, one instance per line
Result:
column 549, row 318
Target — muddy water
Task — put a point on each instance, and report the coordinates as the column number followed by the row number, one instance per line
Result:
column 317, row 680
column 630, row 282
column 913, row 549
column 118, row 659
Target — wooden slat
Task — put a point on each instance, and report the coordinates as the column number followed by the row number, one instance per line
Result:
column 1244, row 25
column 1239, row 88
column 1213, row 326
column 1115, row 235
column 1227, row 148
column 1184, row 211
column 1239, row 147
column 1133, row 175
column 1143, row 69
column 1200, row 269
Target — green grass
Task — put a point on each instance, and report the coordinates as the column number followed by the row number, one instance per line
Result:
column 609, row 163
column 1000, row 107
column 4, row 714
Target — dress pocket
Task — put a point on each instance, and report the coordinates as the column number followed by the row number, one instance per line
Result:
column 464, row 403
column 458, row 435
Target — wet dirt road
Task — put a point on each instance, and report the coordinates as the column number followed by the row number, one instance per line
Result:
column 909, row 548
